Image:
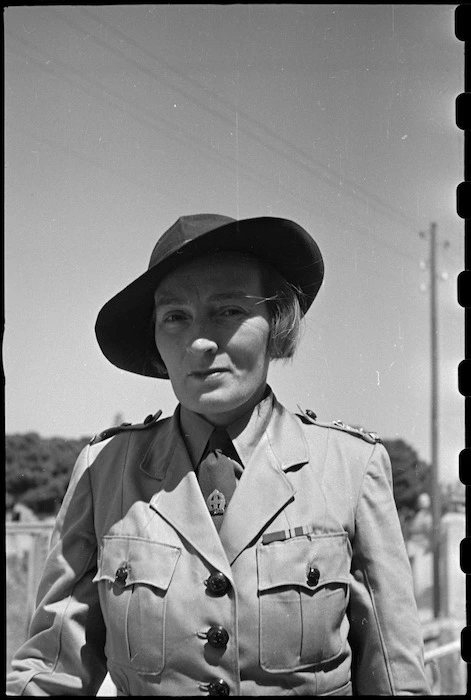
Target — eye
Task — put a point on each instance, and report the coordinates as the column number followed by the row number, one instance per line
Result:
column 174, row 317
column 232, row 311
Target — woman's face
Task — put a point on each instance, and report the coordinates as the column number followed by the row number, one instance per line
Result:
column 211, row 330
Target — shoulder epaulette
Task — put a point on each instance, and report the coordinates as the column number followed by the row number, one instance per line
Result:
column 110, row 432
column 309, row 416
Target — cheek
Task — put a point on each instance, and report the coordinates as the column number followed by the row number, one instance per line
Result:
column 165, row 347
column 249, row 347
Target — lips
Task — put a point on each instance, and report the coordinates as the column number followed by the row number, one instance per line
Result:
column 208, row 372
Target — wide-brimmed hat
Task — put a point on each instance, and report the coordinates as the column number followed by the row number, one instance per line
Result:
column 124, row 324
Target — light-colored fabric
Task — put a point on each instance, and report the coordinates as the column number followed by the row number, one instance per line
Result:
column 319, row 598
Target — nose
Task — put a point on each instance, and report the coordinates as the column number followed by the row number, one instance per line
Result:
column 202, row 345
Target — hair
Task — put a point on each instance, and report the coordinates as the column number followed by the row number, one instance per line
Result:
column 283, row 301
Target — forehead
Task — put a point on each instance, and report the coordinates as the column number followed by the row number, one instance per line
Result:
column 222, row 272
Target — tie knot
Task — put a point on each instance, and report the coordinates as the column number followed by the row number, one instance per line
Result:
column 220, row 440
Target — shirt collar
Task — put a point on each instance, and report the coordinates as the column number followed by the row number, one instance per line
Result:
column 245, row 432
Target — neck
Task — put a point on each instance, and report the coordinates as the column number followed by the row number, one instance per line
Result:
column 223, row 420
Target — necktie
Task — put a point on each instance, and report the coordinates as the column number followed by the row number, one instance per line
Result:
column 216, row 475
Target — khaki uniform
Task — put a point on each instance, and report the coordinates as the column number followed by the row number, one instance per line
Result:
column 308, row 577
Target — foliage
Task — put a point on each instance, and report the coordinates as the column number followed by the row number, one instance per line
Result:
column 411, row 477
column 37, row 470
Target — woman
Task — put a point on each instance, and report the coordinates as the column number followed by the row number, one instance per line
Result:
column 233, row 548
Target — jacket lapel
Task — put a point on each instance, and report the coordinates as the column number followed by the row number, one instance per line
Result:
column 179, row 500
column 264, row 488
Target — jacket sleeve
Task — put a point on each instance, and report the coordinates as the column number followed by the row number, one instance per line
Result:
column 64, row 654
column 385, row 632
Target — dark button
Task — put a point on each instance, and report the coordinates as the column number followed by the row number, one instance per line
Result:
column 217, row 584
column 218, row 687
column 313, row 576
column 121, row 575
column 217, row 637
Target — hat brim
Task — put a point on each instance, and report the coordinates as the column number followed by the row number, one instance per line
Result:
column 123, row 326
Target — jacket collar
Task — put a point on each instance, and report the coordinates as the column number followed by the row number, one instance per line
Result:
column 263, row 490
column 283, row 439
column 245, row 433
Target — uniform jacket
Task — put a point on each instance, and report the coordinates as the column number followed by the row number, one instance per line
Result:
column 319, row 594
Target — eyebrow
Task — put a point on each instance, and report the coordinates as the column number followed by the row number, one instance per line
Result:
column 236, row 294
column 168, row 301
column 221, row 296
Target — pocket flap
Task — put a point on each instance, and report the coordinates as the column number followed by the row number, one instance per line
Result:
column 287, row 563
column 140, row 561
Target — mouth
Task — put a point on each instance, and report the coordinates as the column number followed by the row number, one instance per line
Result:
column 204, row 373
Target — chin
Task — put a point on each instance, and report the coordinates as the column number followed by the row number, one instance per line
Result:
column 218, row 402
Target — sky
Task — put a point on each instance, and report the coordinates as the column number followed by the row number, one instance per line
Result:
column 119, row 119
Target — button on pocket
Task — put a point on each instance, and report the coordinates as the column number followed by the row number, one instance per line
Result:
column 121, row 574
column 313, row 576
column 303, row 590
column 133, row 578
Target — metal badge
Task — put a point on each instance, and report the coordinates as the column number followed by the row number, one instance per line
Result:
column 216, row 502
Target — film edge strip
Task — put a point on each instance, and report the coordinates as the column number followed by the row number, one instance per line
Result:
column 463, row 206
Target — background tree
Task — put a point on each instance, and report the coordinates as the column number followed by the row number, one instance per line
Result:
column 411, row 477
column 37, row 470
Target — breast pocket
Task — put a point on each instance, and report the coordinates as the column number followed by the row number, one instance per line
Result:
column 303, row 596
column 134, row 575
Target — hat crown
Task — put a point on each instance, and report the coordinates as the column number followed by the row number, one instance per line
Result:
column 124, row 324
column 186, row 229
